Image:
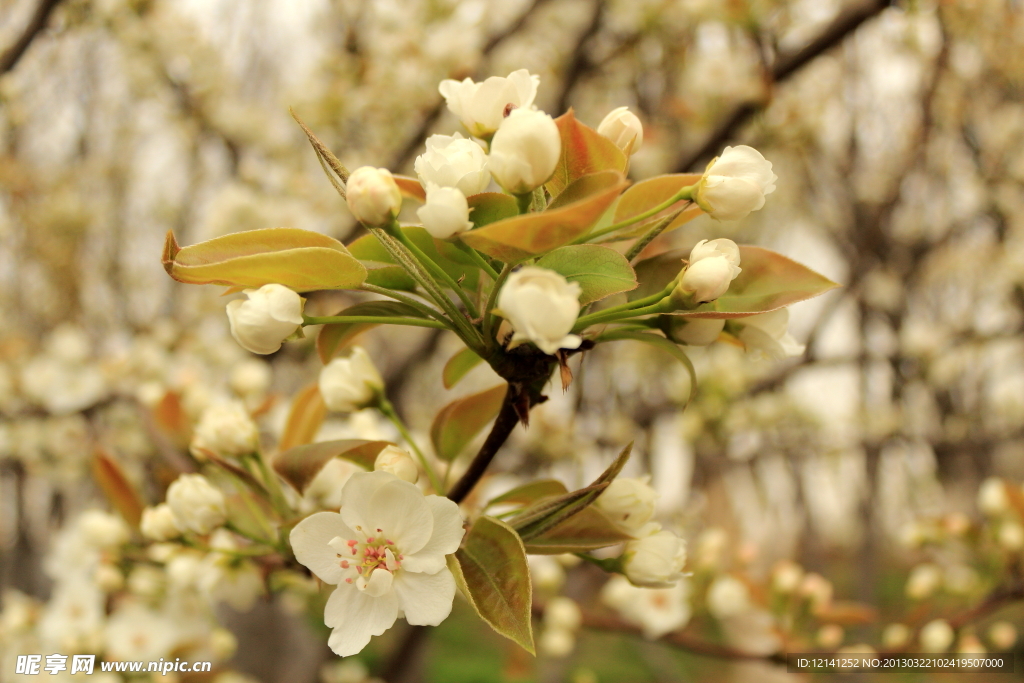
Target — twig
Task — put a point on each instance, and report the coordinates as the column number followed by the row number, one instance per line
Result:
column 506, row 421
column 36, row 25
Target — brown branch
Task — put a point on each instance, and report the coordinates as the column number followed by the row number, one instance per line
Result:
column 785, row 66
column 506, row 421
column 36, row 25
column 996, row 600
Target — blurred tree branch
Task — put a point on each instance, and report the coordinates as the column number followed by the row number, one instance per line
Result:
column 36, row 25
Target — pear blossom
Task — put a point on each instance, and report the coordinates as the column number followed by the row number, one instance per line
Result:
column 735, row 183
column 221, row 577
column 924, row 580
column 225, row 429
column 373, row 196
column 628, row 502
column 197, row 505
column 1003, row 635
column 101, row 529
column 482, row 106
column 385, row 551
column 656, row 611
column 453, row 161
column 712, row 267
column 728, row 596
column 936, row 636
column 398, row 462
column 542, row 307
column 992, row 498
column 267, row 317
column 348, row 384
column 695, row 331
column 895, row 636
column 525, row 151
column 655, row 561
column 768, row 334
column 445, row 213
column 158, row 523
column 622, row 127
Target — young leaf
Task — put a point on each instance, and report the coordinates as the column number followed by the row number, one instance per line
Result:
column 300, row 465
column 549, row 513
column 532, row 234
column 334, row 337
column 647, row 194
column 530, row 493
column 300, row 259
column 600, row 271
column 462, row 419
column 304, row 419
column 589, row 529
column 411, row 188
column 116, row 487
column 584, row 151
column 458, row 365
column 381, row 268
column 492, row 572
column 491, row 207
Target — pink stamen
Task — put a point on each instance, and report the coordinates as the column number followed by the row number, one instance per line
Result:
column 344, row 564
column 352, row 543
column 369, row 540
column 348, row 580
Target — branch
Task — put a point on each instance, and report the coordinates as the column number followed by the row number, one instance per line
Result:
column 506, row 421
column 14, row 53
column 785, row 66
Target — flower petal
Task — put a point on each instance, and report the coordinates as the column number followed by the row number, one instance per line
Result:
column 310, row 539
column 444, row 540
column 356, row 616
column 356, row 509
column 425, row 598
column 401, row 511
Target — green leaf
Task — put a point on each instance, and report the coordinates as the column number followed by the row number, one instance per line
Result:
column 335, row 336
column 588, row 529
column 461, row 420
column 458, row 365
column 662, row 343
column 492, row 572
column 647, row 194
column 300, row 259
column 533, row 234
column 300, row 465
column 491, row 207
column 381, row 268
column 530, row 493
column 600, row 271
column 584, row 151
column 304, row 418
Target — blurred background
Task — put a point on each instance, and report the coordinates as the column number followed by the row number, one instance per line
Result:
column 896, row 131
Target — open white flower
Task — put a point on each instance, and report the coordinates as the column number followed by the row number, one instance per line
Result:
column 348, row 384
column 453, row 161
column 481, row 106
column 622, row 127
column 270, row 315
column 386, row 553
column 445, row 213
column 542, row 307
column 525, row 151
column 768, row 334
column 735, row 183
column 656, row 611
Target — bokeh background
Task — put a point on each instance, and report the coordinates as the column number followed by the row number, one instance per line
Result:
column 897, row 133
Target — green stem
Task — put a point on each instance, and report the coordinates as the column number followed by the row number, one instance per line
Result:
column 477, row 258
column 435, row 269
column 491, row 299
column 684, row 193
column 381, row 320
column 270, row 480
column 408, row 301
column 614, row 311
column 523, row 201
column 388, row 411
column 649, row 236
column 663, row 306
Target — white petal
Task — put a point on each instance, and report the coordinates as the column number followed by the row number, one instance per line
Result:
column 425, row 598
column 401, row 511
column 379, row 583
column 445, row 539
column 356, row 509
column 356, row 616
column 310, row 539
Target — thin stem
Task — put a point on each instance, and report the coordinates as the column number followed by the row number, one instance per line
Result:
column 437, row 270
column 683, row 193
column 649, row 236
column 388, row 410
column 273, row 486
column 524, row 201
column 381, row 320
column 503, row 425
column 477, row 258
column 491, row 299
column 408, row 301
column 630, row 307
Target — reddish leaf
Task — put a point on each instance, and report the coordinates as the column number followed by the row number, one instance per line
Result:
column 491, row 207
column 458, row 365
column 586, row 530
column 334, row 337
column 411, row 188
column 300, row 465
column 584, row 151
column 116, row 487
column 462, row 419
column 304, row 419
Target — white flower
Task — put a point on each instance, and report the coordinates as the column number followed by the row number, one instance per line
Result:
column 222, row 578
column 696, row 331
column 924, row 580
column 225, row 429
column 386, row 553
column 713, row 266
column 453, row 161
column 545, row 572
column 398, row 462
column 102, row 530
column 481, row 106
column 622, row 127
column 735, row 183
column 936, row 636
column 325, row 489
column 768, row 334
column 158, row 523
column 270, row 315
column 1003, row 635
column 373, row 196
column 1011, row 536
column 656, row 610
column 629, row 503
column 250, row 378
column 197, row 505
column 135, row 632
column 895, row 636
column 562, row 612
column 556, row 642
column 525, row 151
column 72, row 620
column 786, row 576
column 727, row 597
column 445, row 213
column 655, row 561
column 542, row 306
column 348, row 384
column 992, row 498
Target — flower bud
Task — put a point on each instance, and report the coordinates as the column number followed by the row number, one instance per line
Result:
column 108, row 578
column 655, row 561
column 562, row 612
column 158, row 523
column 481, row 106
column 713, row 266
column 895, row 636
column 829, row 636
column 936, row 636
column 350, row 384
column 525, row 151
column 557, row 642
column 924, row 580
column 445, row 212
column 992, row 498
column 373, row 196
column 225, row 429
column 786, row 576
column 735, row 183
column 1011, row 536
column 398, row 462
column 695, row 331
column 542, row 307
column 101, row 529
column 629, row 503
column 768, row 334
column 727, row 596
column 1002, row 635
column 622, row 127
column 197, row 505
column 270, row 315
column 453, row 161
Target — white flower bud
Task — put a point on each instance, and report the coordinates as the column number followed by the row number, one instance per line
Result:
column 557, row 642
column 350, row 384
column 817, row 589
column 786, row 576
column 768, row 334
column 829, row 636
column 197, row 505
column 622, row 127
column 655, row 561
column 629, row 503
column 267, row 317
column 373, row 196
column 713, row 266
column 936, row 636
column 1011, row 536
column 696, row 331
column 562, row 612
column 545, row 572
column 895, row 636
column 924, row 580
column 102, row 530
column 398, row 462
column 525, row 151
column 158, row 523
column 225, row 429
column 445, row 213
column 1003, row 635
column 992, row 498
column 542, row 306
column 481, row 106
column 250, row 378
column 453, row 161
column 727, row 596
column 735, row 183
column 108, row 578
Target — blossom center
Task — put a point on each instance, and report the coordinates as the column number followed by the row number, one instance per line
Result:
column 360, row 558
